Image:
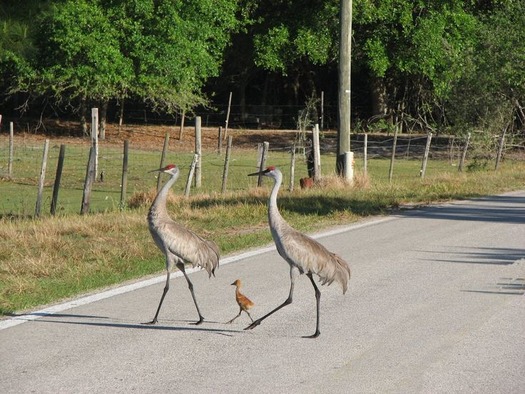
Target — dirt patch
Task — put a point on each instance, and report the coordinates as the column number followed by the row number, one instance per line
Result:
column 152, row 136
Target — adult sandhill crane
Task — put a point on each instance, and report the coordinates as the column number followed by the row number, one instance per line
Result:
column 303, row 254
column 244, row 302
column 178, row 244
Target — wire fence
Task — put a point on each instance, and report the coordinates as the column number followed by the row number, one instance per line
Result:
column 19, row 180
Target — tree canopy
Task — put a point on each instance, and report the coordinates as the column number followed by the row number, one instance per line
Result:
column 446, row 64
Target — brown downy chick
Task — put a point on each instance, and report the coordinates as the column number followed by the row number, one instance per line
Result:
column 244, row 302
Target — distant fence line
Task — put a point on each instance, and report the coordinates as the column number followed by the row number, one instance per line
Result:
column 408, row 146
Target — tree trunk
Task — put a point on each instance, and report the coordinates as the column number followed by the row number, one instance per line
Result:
column 102, row 120
column 83, row 117
column 379, row 96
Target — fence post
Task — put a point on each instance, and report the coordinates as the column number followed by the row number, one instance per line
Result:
column 392, row 159
column 181, row 130
column 365, row 155
column 226, row 165
column 425, row 157
column 464, row 154
column 163, row 156
column 317, row 153
column 42, row 179
column 262, row 161
column 219, row 141
column 94, row 136
column 88, row 183
column 124, row 184
column 292, row 169
column 190, row 174
column 58, row 178
column 198, row 151
column 11, row 151
column 228, row 115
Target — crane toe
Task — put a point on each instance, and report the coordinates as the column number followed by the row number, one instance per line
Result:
column 253, row 325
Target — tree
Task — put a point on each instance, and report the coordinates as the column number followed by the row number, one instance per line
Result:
column 174, row 46
column 80, row 60
column 491, row 94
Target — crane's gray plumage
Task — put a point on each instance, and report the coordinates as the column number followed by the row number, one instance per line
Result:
column 303, row 254
column 178, row 244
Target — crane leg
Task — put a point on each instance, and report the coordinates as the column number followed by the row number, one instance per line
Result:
column 190, row 286
column 166, row 288
column 231, row 321
column 293, row 273
column 250, row 316
column 318, row 303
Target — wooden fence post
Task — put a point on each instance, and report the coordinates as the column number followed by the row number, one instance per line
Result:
column 464, row 154
column 226, row 165
column 425, row 157
column 11, row 150
column 365, row 155
column 88, row 183
column 181, row 130
column 292, row 169
column 227, row 116
column 393, row 157
column 190, row 175
column 163, row 157
column 262, row 161
column 124, row 184
column 42, row 179
column 94, row 137
column 219, row 141
column 58, row 177
column 198, row 151
column 317, row 153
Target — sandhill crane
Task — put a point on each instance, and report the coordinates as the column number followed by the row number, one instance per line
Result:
column 303, row 254
column 244, row 302
column 178, row 244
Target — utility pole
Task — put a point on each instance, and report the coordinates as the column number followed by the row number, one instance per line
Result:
column 345, row 55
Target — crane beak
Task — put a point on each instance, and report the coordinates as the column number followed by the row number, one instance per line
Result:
column 264, row 172
column 159, row 170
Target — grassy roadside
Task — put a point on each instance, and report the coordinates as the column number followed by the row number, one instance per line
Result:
column 43, row 261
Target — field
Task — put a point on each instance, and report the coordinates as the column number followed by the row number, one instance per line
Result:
column 50, row 258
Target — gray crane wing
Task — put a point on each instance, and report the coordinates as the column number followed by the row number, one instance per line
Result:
column 189, row 246
column 311, row 256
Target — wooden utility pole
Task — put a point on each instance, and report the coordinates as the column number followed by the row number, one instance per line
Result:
column 345, row 55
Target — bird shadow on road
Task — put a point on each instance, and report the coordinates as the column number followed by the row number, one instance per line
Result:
column 52, row 318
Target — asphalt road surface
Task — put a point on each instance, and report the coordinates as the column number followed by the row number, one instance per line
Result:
column 435, row 305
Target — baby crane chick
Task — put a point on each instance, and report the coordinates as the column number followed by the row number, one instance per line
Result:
column 244, row 302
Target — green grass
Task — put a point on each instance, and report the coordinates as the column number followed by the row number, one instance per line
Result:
column 52, row 258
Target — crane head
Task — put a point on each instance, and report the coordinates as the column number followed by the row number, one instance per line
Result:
column 237, row 282
column 266, row 172
column 169, row 169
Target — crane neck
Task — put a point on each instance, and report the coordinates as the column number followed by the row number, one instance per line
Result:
column 160, row 200
column 273, row 211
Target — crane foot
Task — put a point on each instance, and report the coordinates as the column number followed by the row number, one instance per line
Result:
column 253, row 325
column 314, row 335
column 198, row 322
column 150, row 323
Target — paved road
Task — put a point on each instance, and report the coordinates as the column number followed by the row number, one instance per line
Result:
column 436, row 305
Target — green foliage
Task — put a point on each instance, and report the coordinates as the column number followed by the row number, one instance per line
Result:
column 493, row 84
column 79, row 54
